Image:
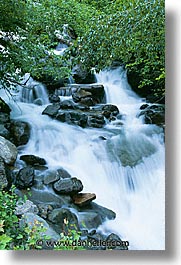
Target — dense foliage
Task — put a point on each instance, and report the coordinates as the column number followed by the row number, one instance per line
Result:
column 131, row 32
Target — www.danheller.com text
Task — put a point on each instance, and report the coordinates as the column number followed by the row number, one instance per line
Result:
column 83, row 243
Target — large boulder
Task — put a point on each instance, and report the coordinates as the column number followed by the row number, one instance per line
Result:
column 25, row 178
column 64, row 219
column 104, row 213
column 46, row 197
column 19, row 132
column 8, row 151
column 68, row 186
column 33, row 160
column 84, row 97
column 51, row 110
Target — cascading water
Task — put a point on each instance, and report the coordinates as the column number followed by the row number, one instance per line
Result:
column 126, row 171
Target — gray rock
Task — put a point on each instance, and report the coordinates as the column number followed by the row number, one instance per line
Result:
column 51, row 177
column 111, row 108
column 8, row 151
column 45, row 210
column 63, row 173
column 47, row 197
column 3, row 178
column 64, row 218
column 33, row 160
column 51, row 110
column 82, row 96
column 54, row 175
column 153, row 114
column 32, row 220
column 4, row 132
column 104, row 213
column 20, row 132
column 67, row 104
column 114, row 242
column 90, row 220
column 68, row 186
column 26, row 207
column 54, row 98
column 96, row 121
column 25, row 178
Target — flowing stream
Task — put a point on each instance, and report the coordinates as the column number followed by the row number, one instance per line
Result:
column 125, row 170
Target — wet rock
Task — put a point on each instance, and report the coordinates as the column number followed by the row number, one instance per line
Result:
column 102, row 138
column 8, row 151
column 4, row 106
column 144, row 106
column 67, row 104
column 48, row 197
column 96, row 121
column 63, row 116
column 83, row 97
column 110, row 108
column 33, row 160
column 4, row 132
column 90, row 220
column 19, row 132
column 68, row 186
column 51, row 177
column 63, row 173
column 45, row 210
column 54, row 98
column 104, row 213
column 3, row 177
column 54, row 175
column 64, row 218
column 81, row 107
column 31, row 220
column 82, row 199
column 113, row 241
column 89, row 94
column 51, row 110
column 25, row 178
column 154, row 114
column 4, row 118
column 26, row 207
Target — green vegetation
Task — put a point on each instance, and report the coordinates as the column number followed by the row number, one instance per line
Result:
column 131, row 32
column 15, row 235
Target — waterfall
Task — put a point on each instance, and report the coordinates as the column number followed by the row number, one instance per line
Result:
column 33, row 91
column 126, row 171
